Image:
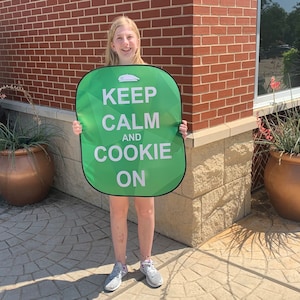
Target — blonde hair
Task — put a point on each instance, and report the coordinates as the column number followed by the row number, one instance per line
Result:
column 111, row 58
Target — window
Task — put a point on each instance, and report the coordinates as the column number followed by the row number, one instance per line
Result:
column 278, row 52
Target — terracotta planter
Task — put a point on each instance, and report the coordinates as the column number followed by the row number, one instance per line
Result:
column 28, row 179
column 282, row 183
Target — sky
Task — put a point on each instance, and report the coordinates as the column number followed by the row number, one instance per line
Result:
column 287, row 4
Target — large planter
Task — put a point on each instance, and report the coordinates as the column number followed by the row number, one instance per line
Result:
column 25, row 178
column 282, row 183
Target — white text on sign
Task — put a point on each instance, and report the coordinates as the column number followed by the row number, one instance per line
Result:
column 134, row 95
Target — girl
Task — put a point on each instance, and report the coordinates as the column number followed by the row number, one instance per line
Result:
column 123, row 48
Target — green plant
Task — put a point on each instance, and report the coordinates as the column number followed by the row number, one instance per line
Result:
column 14, row 135
column 280, row 131
column 24, row 133
column 291, row 68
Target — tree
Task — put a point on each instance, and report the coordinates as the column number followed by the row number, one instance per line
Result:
column 293, row 22
column 265, row 3
column 273, row 24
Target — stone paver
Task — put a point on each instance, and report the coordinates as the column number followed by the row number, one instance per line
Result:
column 61, row 249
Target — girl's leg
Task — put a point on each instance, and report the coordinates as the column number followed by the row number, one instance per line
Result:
column 145, row 212
column 118, row 223
column 146, row 223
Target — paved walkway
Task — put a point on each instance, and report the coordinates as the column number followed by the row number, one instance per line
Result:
column 61, row 249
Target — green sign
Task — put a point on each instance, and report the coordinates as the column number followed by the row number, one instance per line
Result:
column 130, row 143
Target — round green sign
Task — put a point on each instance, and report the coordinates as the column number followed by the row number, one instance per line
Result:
column 130, row 143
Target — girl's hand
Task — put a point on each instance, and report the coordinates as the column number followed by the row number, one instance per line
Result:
column 183, row 128
column 77, row 127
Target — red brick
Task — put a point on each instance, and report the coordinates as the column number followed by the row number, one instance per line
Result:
column 216, row 121
column 227, row 3
column 249, row 30
column 218, row 30
column 241, row 56
column 201, row 10
column 234, row 48
column 207, row 97
column 219, row 11
column 140, row 5
column 227, row 20
column 240, row 107
column 232, row 117
column 225, row 94
column 217, row 86
column 162, row 23
column 210, row 40
column 226, row 40
column 210, row 20
column 209, row 114
column 235, row 11
column 241, row 39
column 243, row 3
column 234, row 30
column 249, row 82
column 243, row 21
column 123, row 7
column 151, row 14
column 240, row 90
column 201, row 50
column 208, row 60
column 217, row 104
column 225, row 111
column 200, row 89
column 232, row 83
column 218, row 49
column 199, row 108
column 177, row 31
column 250, row 47
column 171, row 11
column 185, row 20
column 241, row 73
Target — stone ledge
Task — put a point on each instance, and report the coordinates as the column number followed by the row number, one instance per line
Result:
column 209, row 135
column 272, row 108
column 43, row 111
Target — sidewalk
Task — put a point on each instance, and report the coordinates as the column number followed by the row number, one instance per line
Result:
column 61, row 249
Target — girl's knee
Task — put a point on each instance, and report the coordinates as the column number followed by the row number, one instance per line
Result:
column 119, row 206
column 145, row 212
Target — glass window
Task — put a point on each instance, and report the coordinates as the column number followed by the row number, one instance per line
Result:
column 278, row 67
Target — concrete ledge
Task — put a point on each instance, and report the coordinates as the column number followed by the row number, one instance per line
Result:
column 43, row 111
column 272, row 108
column 210, row 135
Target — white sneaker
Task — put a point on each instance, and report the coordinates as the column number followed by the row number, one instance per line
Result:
column 114, row 280
column 153, row 277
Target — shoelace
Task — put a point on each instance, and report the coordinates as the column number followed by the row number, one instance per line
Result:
column 149, row 268
column 117, row 271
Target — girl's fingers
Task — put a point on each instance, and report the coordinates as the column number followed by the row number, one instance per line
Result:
column 77, row 128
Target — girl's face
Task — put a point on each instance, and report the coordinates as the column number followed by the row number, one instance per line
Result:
column 125, row 44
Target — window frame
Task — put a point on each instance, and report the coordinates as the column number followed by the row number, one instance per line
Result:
column 278, row 97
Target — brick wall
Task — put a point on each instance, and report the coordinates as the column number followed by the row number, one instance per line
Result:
column 224, row 38
column 207, row 45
